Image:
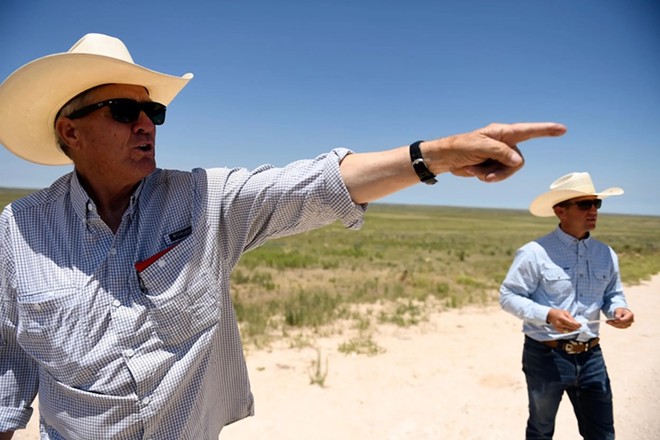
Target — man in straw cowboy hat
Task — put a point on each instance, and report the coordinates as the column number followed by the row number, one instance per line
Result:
column 114, row 281
column 558, row 285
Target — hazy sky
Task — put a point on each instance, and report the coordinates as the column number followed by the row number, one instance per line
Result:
column 280, row 80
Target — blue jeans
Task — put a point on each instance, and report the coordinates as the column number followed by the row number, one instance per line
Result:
column 583, row 376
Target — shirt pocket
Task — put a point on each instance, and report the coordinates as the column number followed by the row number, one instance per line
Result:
column 181, row 295
column 53, row 328
column 556, row 283
column 599, row 281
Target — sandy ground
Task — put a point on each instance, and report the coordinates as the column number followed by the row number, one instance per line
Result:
column 457, row 376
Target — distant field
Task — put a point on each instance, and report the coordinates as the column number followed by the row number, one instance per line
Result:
column 409, row 257
column 9, row 194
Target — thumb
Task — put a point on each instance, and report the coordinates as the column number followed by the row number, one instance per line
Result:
column 502, row 163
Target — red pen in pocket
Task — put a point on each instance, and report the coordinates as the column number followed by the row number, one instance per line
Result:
column 142, row 265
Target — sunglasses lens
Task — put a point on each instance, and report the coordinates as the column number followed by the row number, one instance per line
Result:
column 587, row 204
column 155, row 111
column 125, row 110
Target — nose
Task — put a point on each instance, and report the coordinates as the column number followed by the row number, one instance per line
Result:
column 143, row 124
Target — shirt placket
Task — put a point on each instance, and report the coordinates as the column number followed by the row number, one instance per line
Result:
column 581, row 271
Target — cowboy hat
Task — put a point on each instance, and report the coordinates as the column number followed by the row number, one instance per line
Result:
column 31, row 96
column 565, row 188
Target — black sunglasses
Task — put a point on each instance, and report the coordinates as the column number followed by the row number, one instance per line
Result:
column 585, row 205
column 126, row 110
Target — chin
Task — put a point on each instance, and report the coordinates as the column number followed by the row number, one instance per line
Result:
column 146, row 167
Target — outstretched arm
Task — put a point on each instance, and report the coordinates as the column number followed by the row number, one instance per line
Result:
column 490, row 154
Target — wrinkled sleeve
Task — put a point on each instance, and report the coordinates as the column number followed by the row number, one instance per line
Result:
column 251, row 207
column 18, row 372
column 520, row 283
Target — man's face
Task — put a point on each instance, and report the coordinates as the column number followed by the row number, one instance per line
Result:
column 108, row 152
column 574, row 219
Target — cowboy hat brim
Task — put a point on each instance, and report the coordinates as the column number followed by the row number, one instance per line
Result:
column 31, row 97
column 543, row 205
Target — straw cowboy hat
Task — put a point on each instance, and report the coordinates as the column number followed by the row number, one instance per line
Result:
column 31, row 96
column 565, row 188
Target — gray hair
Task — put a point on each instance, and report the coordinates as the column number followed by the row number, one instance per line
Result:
column 74, row 104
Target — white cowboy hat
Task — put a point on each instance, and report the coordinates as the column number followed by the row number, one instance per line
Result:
column 565, row 188
column 31, row 96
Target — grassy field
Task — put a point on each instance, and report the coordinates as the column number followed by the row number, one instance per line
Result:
column 9, row 194
column 405, row 262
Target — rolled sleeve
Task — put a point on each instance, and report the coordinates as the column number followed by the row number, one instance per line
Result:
column 350, row 214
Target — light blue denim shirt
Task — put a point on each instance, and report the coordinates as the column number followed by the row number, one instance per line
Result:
column 133, row 335
column 558, row 271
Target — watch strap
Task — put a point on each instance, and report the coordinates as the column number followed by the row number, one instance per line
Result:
column 419, row 165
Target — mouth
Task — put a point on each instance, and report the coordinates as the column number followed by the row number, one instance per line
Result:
column 145, row 148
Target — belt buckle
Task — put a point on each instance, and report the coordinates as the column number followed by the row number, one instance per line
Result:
column 571, row 347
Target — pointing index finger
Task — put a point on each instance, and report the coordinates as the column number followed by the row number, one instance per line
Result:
column 512, row 134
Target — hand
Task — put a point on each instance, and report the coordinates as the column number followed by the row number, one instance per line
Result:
column 562, row 321
column 623, row 318
column 491, row 153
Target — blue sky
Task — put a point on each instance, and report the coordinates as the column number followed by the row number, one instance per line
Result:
column 277, row 81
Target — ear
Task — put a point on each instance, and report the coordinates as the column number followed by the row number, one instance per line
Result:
column 68, row 132
column 559, row 211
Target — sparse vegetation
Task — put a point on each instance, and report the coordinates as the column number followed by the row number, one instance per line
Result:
column 361, row 344
column 318, row 374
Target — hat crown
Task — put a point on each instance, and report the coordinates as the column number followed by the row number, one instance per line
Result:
column 574, row 182
column 103, row 45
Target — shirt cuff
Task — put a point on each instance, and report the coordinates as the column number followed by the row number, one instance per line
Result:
column 347, row 211
column 12, row 419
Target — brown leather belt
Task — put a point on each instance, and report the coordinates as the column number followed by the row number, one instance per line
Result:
column 572, row 347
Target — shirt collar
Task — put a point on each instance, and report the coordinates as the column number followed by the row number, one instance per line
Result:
column 569, row 240
column 84, row 206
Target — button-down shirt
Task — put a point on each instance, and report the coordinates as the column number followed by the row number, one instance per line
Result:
column 133, row 335
column 558, row 271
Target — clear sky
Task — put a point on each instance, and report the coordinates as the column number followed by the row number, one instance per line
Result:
column 280, row 80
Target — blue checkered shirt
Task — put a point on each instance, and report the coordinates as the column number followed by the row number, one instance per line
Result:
column 558, row 271
column 133, row 335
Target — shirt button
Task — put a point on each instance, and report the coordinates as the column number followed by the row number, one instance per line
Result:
column 146, row 401
column 116, row 303
column 161, row 263
column 113, row 251
column 129, row 353
column 37, row 307
column 90, row 206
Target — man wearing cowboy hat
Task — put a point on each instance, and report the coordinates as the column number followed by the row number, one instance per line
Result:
column 114, row 281
column 558, row 285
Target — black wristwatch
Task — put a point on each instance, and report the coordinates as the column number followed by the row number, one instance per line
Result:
column 419, row 165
